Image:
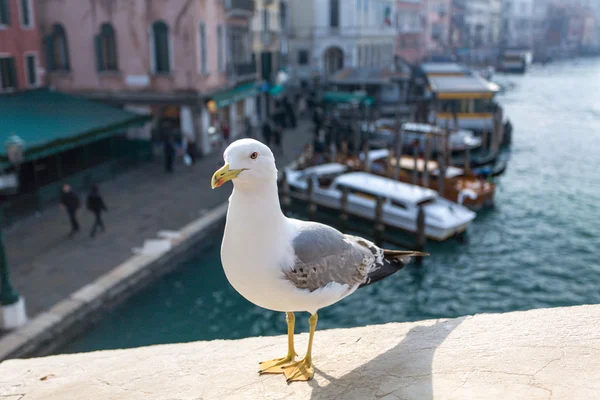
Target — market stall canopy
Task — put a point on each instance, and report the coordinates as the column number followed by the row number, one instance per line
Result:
column 51, row 122
column 231, row 96
column 347, row 98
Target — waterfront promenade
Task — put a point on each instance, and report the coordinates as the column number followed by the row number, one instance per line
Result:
column 47, row 266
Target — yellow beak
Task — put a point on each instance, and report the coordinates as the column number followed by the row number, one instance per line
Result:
column 223, row 175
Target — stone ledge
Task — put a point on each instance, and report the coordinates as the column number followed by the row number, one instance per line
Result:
column 538, row 354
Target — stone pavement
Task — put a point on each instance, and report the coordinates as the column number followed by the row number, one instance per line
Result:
column 47, row 266
column 535, row 355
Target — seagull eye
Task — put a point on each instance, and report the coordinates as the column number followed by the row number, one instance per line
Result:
column 254, row 155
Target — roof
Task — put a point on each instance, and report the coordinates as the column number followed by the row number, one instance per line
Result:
column 384, row 187
column 461, row 84
column 325, row 169
column 227, row 97
column 367, row 75
column 50, row 122
column 346, row 97
column 443, row 68
column 408, row 163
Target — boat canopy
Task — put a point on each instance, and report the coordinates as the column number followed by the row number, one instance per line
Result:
column 462, row 87
column 432, row 69
column 347, row 98
column 325, row 169
column 386, row 188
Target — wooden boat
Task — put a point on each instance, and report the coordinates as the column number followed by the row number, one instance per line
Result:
column 472, row 191
column 401, row 201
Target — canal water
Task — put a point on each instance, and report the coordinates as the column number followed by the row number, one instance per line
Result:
column 537, row 248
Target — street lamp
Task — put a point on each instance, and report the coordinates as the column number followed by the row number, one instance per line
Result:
column 12, row 306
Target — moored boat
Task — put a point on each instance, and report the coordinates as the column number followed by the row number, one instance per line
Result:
column 401, row 201
column 471, row 190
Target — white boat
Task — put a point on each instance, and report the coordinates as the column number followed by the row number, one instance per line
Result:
column 382, row 133
column 443, row 218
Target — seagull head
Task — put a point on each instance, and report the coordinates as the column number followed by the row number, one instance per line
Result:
column 248, row 163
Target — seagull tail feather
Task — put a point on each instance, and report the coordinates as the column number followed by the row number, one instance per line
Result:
column 392, row 262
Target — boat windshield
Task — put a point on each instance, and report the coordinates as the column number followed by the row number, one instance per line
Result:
column 426, row 201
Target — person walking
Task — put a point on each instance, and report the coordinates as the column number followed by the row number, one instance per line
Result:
column 96, row 205
column 267, row 133
column 70, row 203
column 278, row 136
column 169, row 153
column 248, row 128
column 226, row 132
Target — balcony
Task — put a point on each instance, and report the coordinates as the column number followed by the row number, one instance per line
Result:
column 241, row 70
column 267, row 38
column 239, row 6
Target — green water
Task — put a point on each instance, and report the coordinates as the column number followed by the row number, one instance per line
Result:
column 538, row 248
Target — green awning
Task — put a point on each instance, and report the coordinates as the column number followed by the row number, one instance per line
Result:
column 223, row 99
column 51, row 122
column 276, row 90
column 346, row 97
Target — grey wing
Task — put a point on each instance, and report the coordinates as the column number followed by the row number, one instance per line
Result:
column 325, row 255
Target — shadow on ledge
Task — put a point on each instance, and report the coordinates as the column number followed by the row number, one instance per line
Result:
column 404, row 371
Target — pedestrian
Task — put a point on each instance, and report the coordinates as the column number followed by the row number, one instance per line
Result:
column 70, row 203
column 190, row 151
column 169, row 153
column 267, row 133
column 226, row 132
column 289, row 111
column 248, row 128
column 278, row 138
column 96, row 205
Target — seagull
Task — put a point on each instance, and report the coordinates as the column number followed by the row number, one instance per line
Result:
column 284, row 264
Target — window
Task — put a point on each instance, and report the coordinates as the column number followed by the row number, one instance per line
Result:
column 398, row 204
column 4, row 13
column 106, row 49
column 203, row 59
column 302, row 57
column 283, row 15
column 220, row 54
column 8, row 74
column 57, row 49
column 334, row 13
column 161, row 48
column 26, row 13
column 31, row 69
column 266, row 20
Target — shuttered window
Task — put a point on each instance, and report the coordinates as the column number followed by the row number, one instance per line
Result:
column 26, row 17
column 4, row 13
column 57, row 50
column 31, row 69
column 203, row 55
column 106, row 49
column 161, row 46
column 8, row 74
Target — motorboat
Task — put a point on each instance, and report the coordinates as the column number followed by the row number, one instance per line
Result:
column 467, row 189
column 382, row 133
column 401, row 201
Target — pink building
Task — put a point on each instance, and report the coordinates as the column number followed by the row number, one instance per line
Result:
column 20, row 61
column 410, row 42
column 189, row 63
column 437, row 28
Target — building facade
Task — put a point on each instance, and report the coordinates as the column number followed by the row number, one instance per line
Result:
column 328, row 35
column 410, row 26
column 21, row 65
column 481, row 30
column 518, row 24
column 188, row 63
column 437, row 27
